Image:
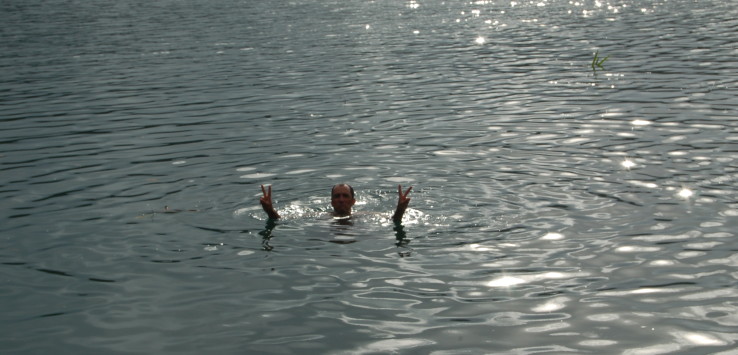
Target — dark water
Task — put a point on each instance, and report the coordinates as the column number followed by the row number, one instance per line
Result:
column 555, row 209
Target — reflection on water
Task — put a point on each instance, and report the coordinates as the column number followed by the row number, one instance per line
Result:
column 266, row 234
column 554, row 210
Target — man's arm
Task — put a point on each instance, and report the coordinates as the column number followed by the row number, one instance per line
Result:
column 266, row 203
column 402, row 202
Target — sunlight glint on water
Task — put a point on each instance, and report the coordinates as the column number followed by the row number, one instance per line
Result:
column 556, row 207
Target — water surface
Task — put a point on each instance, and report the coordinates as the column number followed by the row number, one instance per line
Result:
column 555, row 209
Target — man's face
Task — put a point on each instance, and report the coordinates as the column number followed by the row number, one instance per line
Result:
column 341, row 200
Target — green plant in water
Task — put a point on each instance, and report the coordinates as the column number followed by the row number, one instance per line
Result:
column 597, row 62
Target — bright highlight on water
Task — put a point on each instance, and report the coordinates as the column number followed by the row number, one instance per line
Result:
column 573, row 165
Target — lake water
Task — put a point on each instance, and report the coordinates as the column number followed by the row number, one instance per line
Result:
column 556, row 209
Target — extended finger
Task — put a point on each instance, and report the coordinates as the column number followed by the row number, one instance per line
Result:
column 408, row 191
column 264, row 191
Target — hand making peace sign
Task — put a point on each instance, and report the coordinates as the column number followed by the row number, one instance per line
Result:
column 402, row 199
column 402, row 202
column 266, row 202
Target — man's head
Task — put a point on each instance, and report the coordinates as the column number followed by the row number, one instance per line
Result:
column 342, row 199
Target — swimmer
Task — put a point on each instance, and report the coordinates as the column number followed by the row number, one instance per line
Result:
column 342, row 200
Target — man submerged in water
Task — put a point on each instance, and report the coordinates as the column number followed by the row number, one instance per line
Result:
column 342, row 200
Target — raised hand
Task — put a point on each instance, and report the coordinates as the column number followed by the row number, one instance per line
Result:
column 402, row 202
column 402, row 199
column 266, row 202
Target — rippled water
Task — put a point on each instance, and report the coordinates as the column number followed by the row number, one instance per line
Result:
column 555, row 209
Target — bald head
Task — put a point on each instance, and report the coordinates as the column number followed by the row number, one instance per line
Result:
column 341, row 186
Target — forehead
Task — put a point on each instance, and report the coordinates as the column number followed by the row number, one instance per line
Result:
column 341, row 189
